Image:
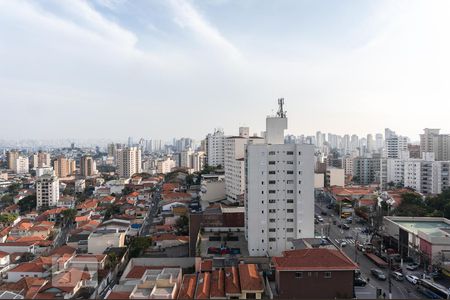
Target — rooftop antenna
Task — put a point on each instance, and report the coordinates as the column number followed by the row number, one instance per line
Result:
column 281, row 113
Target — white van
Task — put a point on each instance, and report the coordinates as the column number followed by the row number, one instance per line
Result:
column 397, row 276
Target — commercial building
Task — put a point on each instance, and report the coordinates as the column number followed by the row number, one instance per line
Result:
column 279, row 200
column 129, row 161
column 316, row 273
column 47, row 191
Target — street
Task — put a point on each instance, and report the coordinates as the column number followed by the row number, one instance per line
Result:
column 400, row 290
column 153, row 210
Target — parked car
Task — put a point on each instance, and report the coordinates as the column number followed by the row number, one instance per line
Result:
column 324, row 213
column 378, row 274
column 412, row 279
column 412, row 267
column 320, row 219
column 359, row 281
column 345, row 227
column 343, row 243
column 397, row 276
column 330, row 206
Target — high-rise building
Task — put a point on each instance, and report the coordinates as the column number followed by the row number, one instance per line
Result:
column 186, row 158
column 129, row 161
column 367, row 170
column 279, row 199
column 21, row 165
column 165, row 165
column 395, row 145
column 432, row 141
column 11, row 157
column 88, row 166
column 234, row 163
column 379, row 142
column 64, row 167
column 215, row 148
column 198, row 161
column 47, row 191
column 40, row 160
column 370, row 143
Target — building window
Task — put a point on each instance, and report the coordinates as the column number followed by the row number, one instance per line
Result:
column 298, row 275
column 289, row 162
column 272, row 220
column 272, row 153
column 290, row 172
column 272, row 211
column 299, row 153
column 290, row 191
column 290, row 200
column 327, row 275
column 272, row 201
column 271, row 162
column 272, row 182
column 272, row 172
column 272, row 239
column 290, row 210
column 289, row 181
column 271, row 191
column 290, row 153
column 272, row 229
column 289, row 229
column 290, row 220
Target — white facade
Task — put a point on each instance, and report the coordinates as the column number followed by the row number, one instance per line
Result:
column 21, row 165
column 336, row 177
column 215, row 148
column 395, row 145
column 198, row 161
column 234, row 163
column 279, row 198
column 165, row 166
column 47, row 191
column 186, row 158
column 348, row 165
column 432, row 141
column 129, row 161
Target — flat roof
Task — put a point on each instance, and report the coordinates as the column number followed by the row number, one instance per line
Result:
column 431, row 228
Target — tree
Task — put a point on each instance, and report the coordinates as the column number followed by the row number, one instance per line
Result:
column 7, row 219
column 139, row 244
column 14, row 188
column 69, row 215
column 112, row 260
column 27, row 204
column 8, row 199
column 182, row 225
column 412, row 205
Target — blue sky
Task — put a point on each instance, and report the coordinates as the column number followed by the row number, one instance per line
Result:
column 157, row 69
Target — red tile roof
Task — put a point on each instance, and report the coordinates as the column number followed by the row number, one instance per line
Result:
column 232, row 284
column 28, row 267
column 188, row 285
column 206, row 265
column 3, row 254
column 218, row 284
column 316, row 259
column 250, row 279
column 119, row 295
column 203, row 286
column 138, row 271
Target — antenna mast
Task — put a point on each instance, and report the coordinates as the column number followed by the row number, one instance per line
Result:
column 281, row 112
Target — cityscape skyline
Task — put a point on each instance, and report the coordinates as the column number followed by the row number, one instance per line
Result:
column 93, row 64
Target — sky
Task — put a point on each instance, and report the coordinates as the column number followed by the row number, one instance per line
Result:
column 173, row 68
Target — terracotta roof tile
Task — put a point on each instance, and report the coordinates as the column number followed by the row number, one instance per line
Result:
column 250, row 279
column 203, row 286
column 232, row 284
column 218, row 284
column 188, row 285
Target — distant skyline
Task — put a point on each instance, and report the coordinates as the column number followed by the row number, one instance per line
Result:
column 179, row 68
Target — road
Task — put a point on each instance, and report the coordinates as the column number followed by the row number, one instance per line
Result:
column 151, row 213
column 400, row 290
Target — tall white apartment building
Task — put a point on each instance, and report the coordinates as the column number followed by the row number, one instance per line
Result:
column 198, row 161
column 395, row 145
column 234, row 163
column 215, row 148
column 348, row 165
column 165, row 166
column 186, row 158
column 279, row 199
column 47, row 191
column 432, row 141
column 129, row 161
column 21, row 166
column 379, row 142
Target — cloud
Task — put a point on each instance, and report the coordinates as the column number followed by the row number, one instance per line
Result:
column 186, row 16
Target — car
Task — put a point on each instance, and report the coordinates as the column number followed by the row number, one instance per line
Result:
column 412, row 279
column 345, row 227
column 324, row 213
column 378, row 274
column 359, row 281
column 412, row 267
column 330, row 206
column 343, row 243
column 339, row 225
column 397, row 276
column 316, row 222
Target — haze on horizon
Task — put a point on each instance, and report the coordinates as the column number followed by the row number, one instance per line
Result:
column 162, row 69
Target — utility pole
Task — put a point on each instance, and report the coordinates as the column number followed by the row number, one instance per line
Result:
column 356, row 247
column 390, row 277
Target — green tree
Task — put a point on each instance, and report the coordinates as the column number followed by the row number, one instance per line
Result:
column 27, row 204
column 69, row 215
column 7, row 219
column 412, row 205
column 7, row 199
column 182, row 225
column 138, row 245
column 112, row 260
column 14, row 188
